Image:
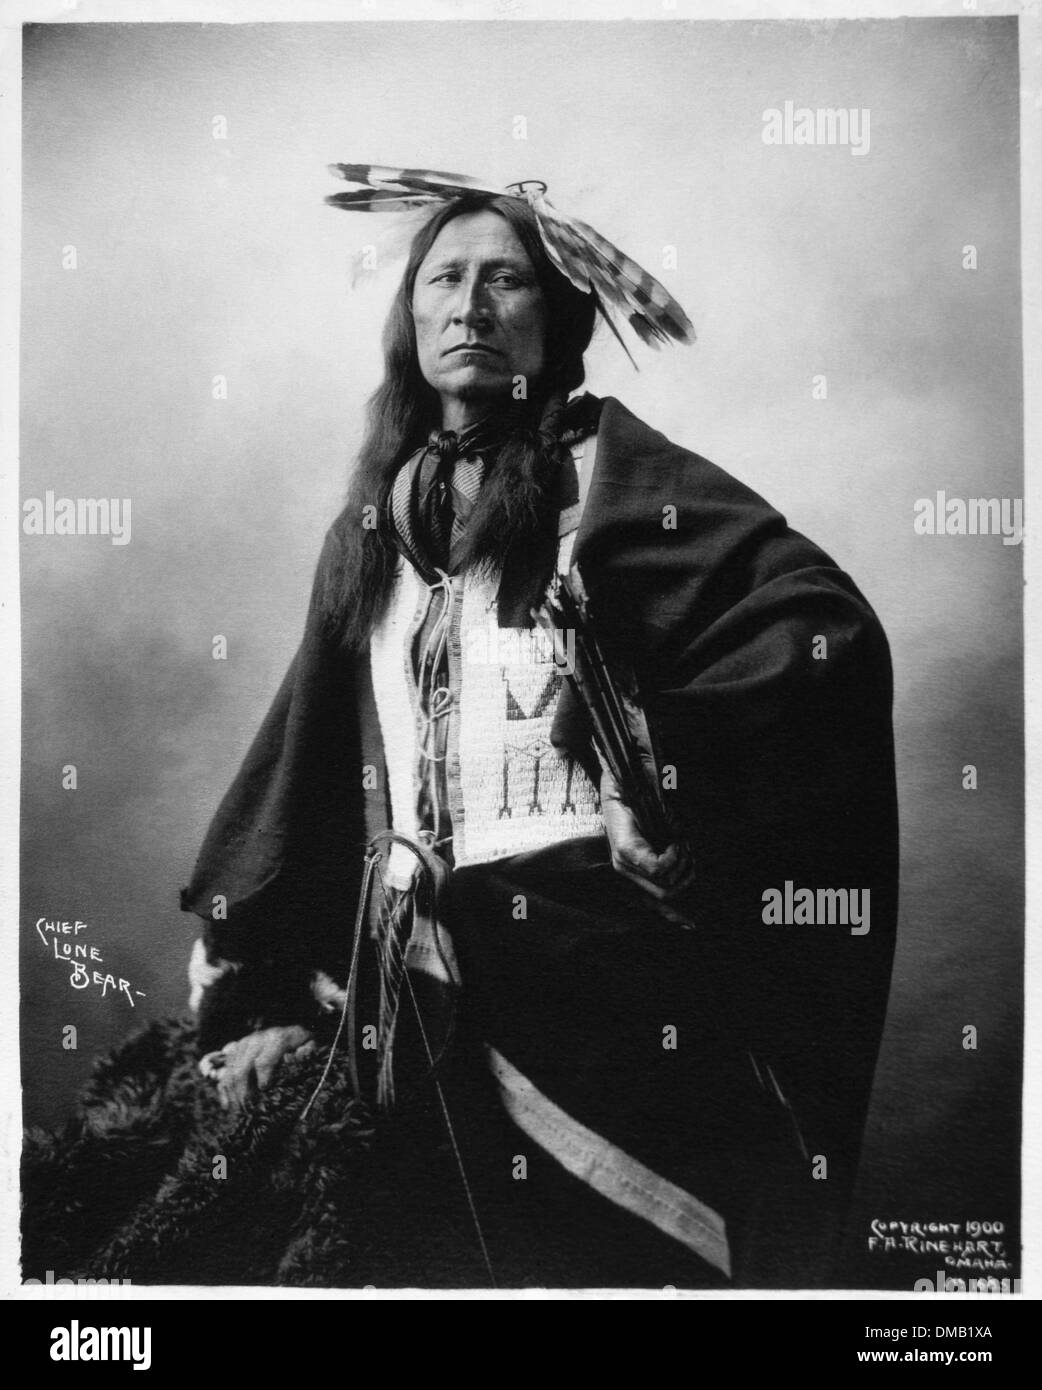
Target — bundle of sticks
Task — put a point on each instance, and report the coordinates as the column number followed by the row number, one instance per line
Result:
column 622, row 736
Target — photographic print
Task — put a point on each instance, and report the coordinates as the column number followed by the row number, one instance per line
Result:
column 521, row 556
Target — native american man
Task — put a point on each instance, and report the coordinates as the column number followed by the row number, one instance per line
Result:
column 683, row 1076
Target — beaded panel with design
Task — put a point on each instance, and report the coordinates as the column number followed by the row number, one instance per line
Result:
column 518, row 792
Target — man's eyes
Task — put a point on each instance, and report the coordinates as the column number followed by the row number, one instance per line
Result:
column 500, row 277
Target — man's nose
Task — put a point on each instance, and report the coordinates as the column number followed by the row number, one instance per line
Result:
column 472, row 305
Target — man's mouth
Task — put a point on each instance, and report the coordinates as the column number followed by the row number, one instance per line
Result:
column 474, row 347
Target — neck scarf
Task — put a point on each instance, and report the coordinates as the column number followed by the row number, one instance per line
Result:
column 435, row 490
column 449, row 479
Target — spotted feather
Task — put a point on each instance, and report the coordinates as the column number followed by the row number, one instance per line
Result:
column 619, row 285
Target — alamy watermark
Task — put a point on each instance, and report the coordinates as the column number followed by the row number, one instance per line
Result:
column 791, row 906
column 947, row 1283
column 77, row 516
column 490, row 645
column 80, row 1283
column 823, row 125
column 942, row 515
column 83, row 1343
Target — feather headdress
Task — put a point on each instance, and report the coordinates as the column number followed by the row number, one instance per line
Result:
column 581, row 254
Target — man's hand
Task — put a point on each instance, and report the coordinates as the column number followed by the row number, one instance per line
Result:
column 664, row 876
column 246, row 1066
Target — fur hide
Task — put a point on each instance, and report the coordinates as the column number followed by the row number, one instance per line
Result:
column 128, row 1189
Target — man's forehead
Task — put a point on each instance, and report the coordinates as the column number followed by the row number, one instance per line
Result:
column 477, row 236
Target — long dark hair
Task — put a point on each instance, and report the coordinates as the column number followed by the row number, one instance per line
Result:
column 515, row 503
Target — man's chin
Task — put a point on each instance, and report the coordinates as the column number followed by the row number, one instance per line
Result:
column 479, row 382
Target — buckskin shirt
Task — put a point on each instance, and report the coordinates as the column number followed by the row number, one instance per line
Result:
column 705, row 1086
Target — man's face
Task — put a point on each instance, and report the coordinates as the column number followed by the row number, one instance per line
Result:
column 479, row 314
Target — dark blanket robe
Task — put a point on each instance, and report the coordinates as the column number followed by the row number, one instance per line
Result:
column 768, row 677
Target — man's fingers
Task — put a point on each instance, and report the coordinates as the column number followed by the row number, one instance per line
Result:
column 672, row 869
column 639, row 855
column 631, row 851
column 686, row 873
column 656, row 890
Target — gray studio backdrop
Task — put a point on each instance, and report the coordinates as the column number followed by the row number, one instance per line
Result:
column 174, row 233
